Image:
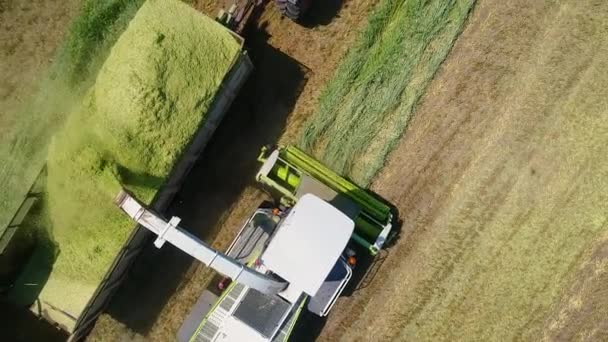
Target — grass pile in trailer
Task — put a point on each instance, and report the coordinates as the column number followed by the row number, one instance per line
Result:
column 367, row 105
column 149, row 98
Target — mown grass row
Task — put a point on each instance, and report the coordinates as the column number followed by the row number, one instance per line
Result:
column 367, row 105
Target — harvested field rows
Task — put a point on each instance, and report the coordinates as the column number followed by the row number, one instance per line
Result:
column 501, row 185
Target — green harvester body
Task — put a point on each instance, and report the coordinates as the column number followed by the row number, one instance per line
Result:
column 292, row 173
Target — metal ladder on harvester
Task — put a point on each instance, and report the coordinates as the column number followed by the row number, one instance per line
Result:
column 212, row 323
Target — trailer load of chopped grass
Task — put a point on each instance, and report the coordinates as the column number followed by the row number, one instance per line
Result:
column 150, row 97
column 367, row 105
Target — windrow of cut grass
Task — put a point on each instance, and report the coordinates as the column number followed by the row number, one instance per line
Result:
column 23, row 146
column 367, row 105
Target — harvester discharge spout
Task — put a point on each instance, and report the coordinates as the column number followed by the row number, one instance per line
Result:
column 171, row 232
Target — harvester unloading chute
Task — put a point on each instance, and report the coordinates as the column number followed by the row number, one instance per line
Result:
column 171, row 232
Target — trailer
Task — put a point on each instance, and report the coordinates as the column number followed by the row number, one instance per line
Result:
column 230, row 87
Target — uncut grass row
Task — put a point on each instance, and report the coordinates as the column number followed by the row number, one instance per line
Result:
column 366, row 106
column 502, row 188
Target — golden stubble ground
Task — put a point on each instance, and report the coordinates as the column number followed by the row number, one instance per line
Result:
column 500, row 181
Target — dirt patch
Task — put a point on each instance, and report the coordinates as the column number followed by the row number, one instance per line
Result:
column 498, row 181
column 291, row 65
column 30, row 32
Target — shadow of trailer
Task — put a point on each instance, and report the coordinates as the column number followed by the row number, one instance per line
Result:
column 230, row 87
column 16, row 245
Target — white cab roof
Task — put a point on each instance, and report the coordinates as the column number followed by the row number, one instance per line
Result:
column 308, row 243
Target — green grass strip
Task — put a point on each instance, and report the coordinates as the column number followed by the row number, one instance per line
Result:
column 367, row 105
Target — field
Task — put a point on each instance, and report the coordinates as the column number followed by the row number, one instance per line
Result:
column 49, row 65
column 30, row 32
column 493, row 157
column 498, row 182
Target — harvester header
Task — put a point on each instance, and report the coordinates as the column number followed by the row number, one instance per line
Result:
column 291, row 173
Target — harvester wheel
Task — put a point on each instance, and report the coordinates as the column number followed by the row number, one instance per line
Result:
column 291, row 10
column 281, row 5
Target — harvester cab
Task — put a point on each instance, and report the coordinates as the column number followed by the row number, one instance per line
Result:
column 280, row 261
column 284, row 258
